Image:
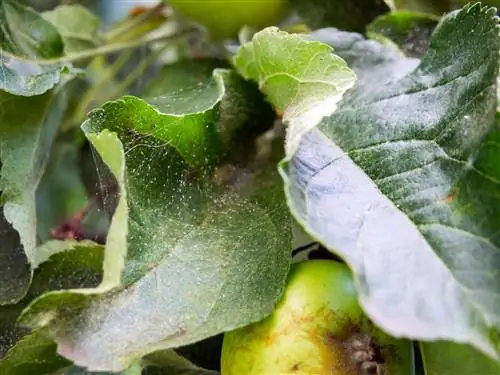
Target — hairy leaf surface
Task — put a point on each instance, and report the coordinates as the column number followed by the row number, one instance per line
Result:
column 401, row 181
column 207, row 249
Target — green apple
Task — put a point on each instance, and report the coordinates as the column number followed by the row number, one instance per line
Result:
column 225, row 18
column 318, row 327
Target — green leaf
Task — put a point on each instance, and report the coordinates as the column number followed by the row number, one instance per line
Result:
column 402, row 181
column 302, row 78
column 28, row 78
column 409, row 30
column 78, row 27
column 25, row 33
column 448, row 358
column 202, row 258
column 214, row 107
column 71, row 265
column 28, row 126
column 346, row 15
column 52, row 247
column 26, row 40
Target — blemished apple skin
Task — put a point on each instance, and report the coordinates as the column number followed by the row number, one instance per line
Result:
column 310, row 329
column 225, row 18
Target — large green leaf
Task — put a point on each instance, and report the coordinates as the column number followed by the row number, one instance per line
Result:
column 202, row 257
column 402, row 181
column 346, row 15
column 78, row 27
column 28, row 126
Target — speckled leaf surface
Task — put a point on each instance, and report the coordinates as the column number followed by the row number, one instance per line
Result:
column 402, row 182
column 202, row 257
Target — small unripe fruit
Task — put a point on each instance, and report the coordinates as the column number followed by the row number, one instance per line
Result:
column 225, row 18
column 318, row 327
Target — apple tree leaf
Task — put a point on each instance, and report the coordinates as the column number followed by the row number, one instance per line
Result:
column 25, row 33
column 207, row 250
column 27, row 45
column 302, row 78
column 77, row 26
column 28, row 126
column 227, row 109
column 402, row 182
column 30, row 116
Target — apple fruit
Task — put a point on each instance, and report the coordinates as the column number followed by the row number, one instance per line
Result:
column 318, row 327
column 225, row 18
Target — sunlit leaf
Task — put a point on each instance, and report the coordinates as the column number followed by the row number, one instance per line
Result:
column 302, row 78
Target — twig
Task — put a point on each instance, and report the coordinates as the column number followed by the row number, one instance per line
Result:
column 116, row 47
column 136, row 21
